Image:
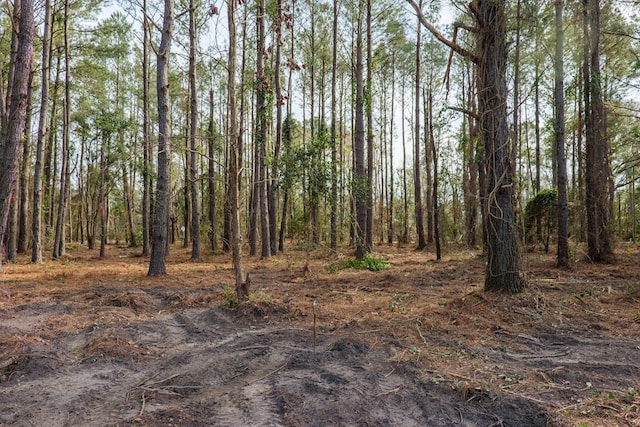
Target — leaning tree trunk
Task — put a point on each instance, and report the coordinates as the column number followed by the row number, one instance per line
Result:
column 161, row 212
column 502, row 271
column 16, row 110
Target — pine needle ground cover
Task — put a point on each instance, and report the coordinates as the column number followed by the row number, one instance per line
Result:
column 89, row 341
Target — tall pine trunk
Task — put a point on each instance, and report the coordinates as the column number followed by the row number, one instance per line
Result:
column 36, row 218
column 242, row 288
column 59, row 240
column 333, row 231
column 159, row 244
column 502, row 271
column 16, row 110
column 193, row 91
column 417, row 176
column 262, row 112
column 146, row 139
column 360, row 191
column 563, row 228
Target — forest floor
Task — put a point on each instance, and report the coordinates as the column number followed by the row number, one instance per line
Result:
column 94, row 342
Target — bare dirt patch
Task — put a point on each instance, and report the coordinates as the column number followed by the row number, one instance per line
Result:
column 92, row 342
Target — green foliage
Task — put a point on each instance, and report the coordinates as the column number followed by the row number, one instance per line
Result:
column 368, row 262
column 543, row 207
column 542, row 203
column 630, row 395
column 230, row 297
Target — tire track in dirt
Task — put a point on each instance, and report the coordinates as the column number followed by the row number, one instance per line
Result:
column 212, row 367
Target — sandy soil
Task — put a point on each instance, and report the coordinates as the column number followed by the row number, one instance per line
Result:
column 91, row 342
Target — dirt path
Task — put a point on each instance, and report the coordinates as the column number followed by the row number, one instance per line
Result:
column 413, row 345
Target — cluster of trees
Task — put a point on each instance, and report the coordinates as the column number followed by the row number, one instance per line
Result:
column 317, row 122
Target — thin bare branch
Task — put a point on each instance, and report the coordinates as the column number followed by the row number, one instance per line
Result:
column 433, row 30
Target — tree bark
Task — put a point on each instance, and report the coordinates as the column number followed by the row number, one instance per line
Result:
column 273, row 182
column 434, row 156
column 369, row 109
column 157, row 265
column 390, row 217
column 36, row 219
column 23, row 212
column 195, row 211
column 333, row 232
column 146, row 140
column 262, row 85
column 502, row 271
column 59, row 240
column 16, row 111
column 563, row 228
column 598, row 165
column 360, row 191
column 213, row 232
column 242, row 289
column 417, row 176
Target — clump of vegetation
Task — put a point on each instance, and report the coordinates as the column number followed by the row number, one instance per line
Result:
column 230, row 297
column 368, row 262
column 398, row 303
column 543, row 208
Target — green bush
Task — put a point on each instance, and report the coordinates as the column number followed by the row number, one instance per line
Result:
column 230, row 297
column 368, row 262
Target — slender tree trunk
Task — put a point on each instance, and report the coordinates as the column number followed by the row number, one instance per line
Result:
column 59, row 240
column 537, row 187
column 262, row 114
column 12, row 228
column 563, row 228
column 333, row 232
column 211, row 173
column 417, row 177
column 428, row 154
column 146, row 140
column 242, row 288
column 23, row 212
column 159, row 243
column 193, row 90
column 102, row 201
column 36, row 219
column 405, row 189
column 51, row 150
column 360, row 190
column 186, row 190
column 16, row 111
column 273, row 182
column 129, row 205
column 434, row 156
column 369, row 108
column 391, row 180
